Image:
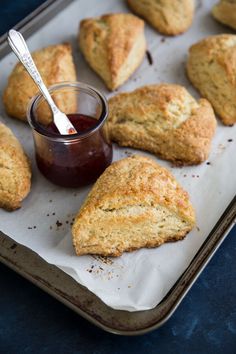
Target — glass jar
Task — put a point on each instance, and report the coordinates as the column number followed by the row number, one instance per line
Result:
column 78, row 159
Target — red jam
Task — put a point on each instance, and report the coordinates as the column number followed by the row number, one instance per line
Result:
column 77, row 163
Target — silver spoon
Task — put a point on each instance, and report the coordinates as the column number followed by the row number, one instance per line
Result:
column 19, row 47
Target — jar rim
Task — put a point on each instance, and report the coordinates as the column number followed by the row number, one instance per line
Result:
column 35, row 125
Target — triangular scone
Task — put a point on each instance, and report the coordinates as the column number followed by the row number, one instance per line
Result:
column 135, row 203
column 165, row 120
column 170, row 17
column 55, row 64
column 114, row 45
column 211, row 68
column 225, row 12
column 15, row 171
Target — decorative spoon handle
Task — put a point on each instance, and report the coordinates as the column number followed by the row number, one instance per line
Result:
column 19, row 47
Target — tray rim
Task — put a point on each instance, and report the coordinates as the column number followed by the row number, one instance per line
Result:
column 28, row 26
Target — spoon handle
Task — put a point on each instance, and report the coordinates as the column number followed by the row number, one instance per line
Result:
column 19, row 47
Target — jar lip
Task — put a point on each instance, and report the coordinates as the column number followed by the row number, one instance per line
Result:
column 63, row 137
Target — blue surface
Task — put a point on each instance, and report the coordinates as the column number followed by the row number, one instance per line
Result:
column 33, row 322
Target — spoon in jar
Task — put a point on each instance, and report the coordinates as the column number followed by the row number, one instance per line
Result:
column 19, row 47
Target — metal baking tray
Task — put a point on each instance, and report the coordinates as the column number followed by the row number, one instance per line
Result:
column 61, row 286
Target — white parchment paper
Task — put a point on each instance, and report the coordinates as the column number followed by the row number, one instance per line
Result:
column 138, row 280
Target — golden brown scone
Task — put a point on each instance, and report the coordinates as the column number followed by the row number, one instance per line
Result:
column 114, row 45
column 169, row 17
column 165, row 120
column 15, row 171
column 225, row 12
column 211, row 67
column 135, row 203
column 55, row 64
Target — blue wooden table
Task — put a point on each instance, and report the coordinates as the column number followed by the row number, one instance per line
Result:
column 33, row 322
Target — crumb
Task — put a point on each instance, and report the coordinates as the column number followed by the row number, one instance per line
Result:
column 50, row 201
column 53, row 213
column 208, row 163
column 230, row 140
column 129, row 286
column 118, row 288
column 101, row 268
column 193, row 176
column 50, row 227
column 13, row 246
column 71, row 223
column 197, row 228
column 47, row 214
column 221, row 146
column 67, row 222
column 149, row 57
column 90, row 270
column 29, row 227
column 163, row 39
column 58, row 223
column 128, row 153
column 197, row 176
column 185, row 175
column 34, row 227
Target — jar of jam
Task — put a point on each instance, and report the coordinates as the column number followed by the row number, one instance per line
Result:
column 77, row 159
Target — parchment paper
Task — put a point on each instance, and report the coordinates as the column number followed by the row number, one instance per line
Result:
column 138, row 280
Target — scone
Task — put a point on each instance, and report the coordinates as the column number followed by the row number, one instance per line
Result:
column 211, row 68
column 225, row 12
column 163, row 119
column 169, row 17
column 55, row 64
column 135, row 203
column 114, row 46
column 15, row 171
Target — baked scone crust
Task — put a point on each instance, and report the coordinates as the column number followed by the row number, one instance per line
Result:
column 211, row 68
column 114, row 46
column 225, row 12
column 15, row 171
column 170, row 17
column 55, row 64
column 163, row 119
column 135, row 203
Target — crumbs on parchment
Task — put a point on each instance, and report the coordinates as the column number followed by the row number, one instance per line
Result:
column 104, row 260
column 98, row 270
column 60, row 225
column 32, row 227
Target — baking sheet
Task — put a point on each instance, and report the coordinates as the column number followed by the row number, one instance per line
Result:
column 138, row 280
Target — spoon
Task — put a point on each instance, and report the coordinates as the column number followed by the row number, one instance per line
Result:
column 19, row 47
